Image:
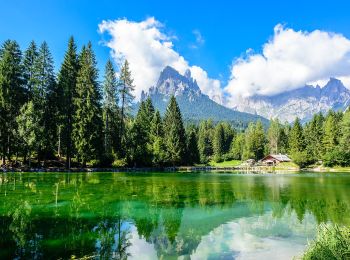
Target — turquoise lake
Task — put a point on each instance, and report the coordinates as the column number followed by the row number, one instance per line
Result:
column 167, row 215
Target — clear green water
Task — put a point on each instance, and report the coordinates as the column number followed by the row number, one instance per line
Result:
column 166, row 215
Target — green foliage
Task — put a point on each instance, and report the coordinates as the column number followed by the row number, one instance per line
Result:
column 192, row 156
column 126, row 88
column 254, row 142
column 45, row 100
column 300, row 158
column 11, row 94
column 157, row 140
column 205, row 140
column 141, row 150
column 119, row 163
column 332, row 242
column 87, row 125
column 345, row 134
column 296, row 140
column 110, row 111
column 29, row 128
column 41, row 116
column 218, row 142
column 67, row 80
column 174, row 136
column 29, row 61
column 313, row 133
column 237, row 148
column 277, row 137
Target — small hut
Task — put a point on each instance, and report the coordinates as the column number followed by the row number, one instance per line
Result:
column 273, row 159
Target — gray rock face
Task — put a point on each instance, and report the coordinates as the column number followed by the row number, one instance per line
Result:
column 171, row 82
column 302, row 102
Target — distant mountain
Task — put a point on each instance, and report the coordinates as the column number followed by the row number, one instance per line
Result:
column 193, row 103
column 302, row 102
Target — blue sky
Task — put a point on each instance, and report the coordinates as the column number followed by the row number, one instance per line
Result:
column 227, row 28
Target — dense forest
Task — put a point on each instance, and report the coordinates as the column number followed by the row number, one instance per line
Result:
column 73, row 119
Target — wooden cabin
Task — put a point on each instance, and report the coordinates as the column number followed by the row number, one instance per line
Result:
column 274, row 159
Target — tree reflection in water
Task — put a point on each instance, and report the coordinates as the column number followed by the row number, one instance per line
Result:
column 100, row 215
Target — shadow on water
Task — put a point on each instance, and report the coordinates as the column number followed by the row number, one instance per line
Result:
column 120, row 215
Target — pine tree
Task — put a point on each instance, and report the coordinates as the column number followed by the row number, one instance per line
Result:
column 237, row 147
column 345, row 137
column 87, row 126
column 110, row 110
column 248, row 151
column 29, row 62
column 313, row 133
column 67, row 80
column 141, row 149
column 126, row 88
column 205, row 140
column 45, row 100
column 229, row 134
column 192, row 156
column 297, row 144
column 296, row 137
column 157, row 140
column 11, row 94
column 29, row 127
column 259, row 140
column 331, row 135
column 174, row 136
column 254, row 141
column 273, row 136
column 218, row 142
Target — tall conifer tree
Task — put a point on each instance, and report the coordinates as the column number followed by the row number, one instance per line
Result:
column 29, row 62
column 11, row 94
column 45, row 99
column 174, row 136
column 67, row 80
column 87, row 126
column 110, row 110
column 126, row 88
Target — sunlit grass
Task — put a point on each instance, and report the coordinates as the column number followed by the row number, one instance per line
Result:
column 231, row 163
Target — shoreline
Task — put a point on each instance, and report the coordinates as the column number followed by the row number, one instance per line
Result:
column 252, row 169
column 234, row 169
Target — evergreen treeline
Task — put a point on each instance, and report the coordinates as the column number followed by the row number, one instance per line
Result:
column 74, row 119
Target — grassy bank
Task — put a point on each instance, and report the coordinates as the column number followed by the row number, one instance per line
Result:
column 332, row 242
column 321, row 168
column 232, row 163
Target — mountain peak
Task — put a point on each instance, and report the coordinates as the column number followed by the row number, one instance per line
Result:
column 302, row 102
column 335, row 84
column 171, row 82
column 188, row 74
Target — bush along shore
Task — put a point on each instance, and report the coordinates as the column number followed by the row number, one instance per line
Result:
column 46, row 117
column 332, row 242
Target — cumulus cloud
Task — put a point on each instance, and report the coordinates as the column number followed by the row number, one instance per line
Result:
column 289, row 60
column 149, row 49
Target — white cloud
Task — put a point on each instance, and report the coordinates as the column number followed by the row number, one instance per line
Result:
column 148, row 50
column 288, row 61
column 199, row 39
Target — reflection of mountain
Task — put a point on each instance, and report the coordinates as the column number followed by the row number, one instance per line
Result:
column 174, row 214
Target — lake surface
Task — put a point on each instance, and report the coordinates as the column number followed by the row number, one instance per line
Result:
column 166, row 215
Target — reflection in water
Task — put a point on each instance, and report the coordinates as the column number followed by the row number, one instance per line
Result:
column 197, row 216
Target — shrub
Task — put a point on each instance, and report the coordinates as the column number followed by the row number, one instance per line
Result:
column 119, row 163
column 332, row 242
column 300, row 158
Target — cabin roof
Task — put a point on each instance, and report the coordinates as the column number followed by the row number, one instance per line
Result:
column 278, row 157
